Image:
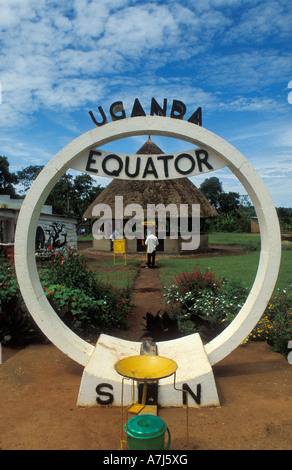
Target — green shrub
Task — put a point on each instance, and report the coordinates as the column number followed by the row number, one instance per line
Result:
column 97, row 305
column 109, row 310
column 16, row 325
column 85, row 304
column 8, row 283
column 70, row 268
column 275, row 325
column 230, row 222
column 199, row 301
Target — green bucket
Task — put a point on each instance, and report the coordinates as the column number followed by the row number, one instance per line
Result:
column 146, row 432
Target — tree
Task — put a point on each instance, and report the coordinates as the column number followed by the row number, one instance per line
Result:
column 62, row 195
column 212, row 189
column 27, row 175
column 228, row 202
column 84, row 193
column 71, row 195
column 234, row 210
column 285, row 218
column 7, row 179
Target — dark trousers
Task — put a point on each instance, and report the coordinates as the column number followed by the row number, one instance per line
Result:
column 151, row 259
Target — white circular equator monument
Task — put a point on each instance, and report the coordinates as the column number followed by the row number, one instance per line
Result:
column 270, row 255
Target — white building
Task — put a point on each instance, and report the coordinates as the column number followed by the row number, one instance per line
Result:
column 53, row 230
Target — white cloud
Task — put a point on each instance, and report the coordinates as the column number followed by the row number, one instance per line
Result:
column 75, row 52
column 267, row 19
column 61, row 59
column 55, row 59
column 13, row 11
column 24, row 154
column 284, row 138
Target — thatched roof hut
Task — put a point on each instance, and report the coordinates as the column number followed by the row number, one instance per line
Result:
column 176, row 191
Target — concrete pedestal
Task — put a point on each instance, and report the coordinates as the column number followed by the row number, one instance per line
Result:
column 102, row 385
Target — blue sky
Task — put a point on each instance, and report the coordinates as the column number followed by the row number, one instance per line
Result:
column 61, row 59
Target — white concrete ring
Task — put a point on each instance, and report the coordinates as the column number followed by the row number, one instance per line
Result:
column 270, row 255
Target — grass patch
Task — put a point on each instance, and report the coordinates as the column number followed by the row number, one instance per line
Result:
column 247, row 241
column 85, row 238
column 120, row 275
column 114, row 277
column 241, row 268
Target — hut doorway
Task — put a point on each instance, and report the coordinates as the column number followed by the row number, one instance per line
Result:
column 146, row 227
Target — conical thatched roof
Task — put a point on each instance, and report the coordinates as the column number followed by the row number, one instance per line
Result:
column 149, row 148
column 176, row 191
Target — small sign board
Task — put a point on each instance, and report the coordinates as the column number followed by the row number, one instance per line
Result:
column 119, row 247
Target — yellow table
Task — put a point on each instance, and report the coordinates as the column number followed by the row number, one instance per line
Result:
column 145, row 369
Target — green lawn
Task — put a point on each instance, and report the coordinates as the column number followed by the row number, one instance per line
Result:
column 85, row 238
column 248, row 241
column 242, row 268
column 119, row 274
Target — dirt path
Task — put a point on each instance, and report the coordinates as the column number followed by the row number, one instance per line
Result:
column 39, row 388
column 147, row 297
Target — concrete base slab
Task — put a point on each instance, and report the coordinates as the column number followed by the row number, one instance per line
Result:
column 194, row 374
column 101, row 385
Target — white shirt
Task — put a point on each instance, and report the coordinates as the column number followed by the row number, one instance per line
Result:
column 114, row 235
column 151, row 242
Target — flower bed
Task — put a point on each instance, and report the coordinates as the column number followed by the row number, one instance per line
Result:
column 85, row 304
column 275, row 325
column 201, row 302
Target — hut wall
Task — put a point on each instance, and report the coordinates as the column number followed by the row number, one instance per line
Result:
column 170, row 246
column 203, row 246
column 101, row 245
column 204, row 242
column 131, row 245
column 106, row 245
column 254, row 225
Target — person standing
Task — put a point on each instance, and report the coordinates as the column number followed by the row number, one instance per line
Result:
column 151, row 242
